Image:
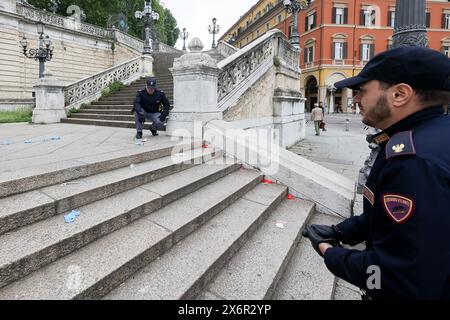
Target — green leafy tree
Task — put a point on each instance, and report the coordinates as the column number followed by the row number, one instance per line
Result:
column 98, row 12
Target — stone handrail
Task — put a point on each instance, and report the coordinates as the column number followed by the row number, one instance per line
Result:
column 60, row 21
column 245, row 67
column 128, row 40
column 92, row 85
column 162, row 47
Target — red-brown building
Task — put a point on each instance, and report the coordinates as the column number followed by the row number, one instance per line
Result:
column 338, row 37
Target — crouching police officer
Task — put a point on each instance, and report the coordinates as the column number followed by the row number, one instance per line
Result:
column 406, row 219
column 147, row 106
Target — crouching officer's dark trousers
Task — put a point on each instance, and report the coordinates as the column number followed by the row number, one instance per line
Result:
column 157, row 124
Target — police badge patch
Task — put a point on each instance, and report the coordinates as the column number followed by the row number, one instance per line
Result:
column 399, row 208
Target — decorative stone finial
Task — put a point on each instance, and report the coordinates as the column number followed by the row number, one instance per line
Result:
column 196, row 45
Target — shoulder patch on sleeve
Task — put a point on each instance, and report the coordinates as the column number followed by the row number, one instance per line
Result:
column 400, row 144
column 398, row 207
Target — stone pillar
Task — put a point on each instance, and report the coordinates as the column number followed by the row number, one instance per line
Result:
column 147, row 65
column 289, row 117
column 195, row 77
column 410, row 23
column 8, row 5
column 50, row 102
column 323, row 94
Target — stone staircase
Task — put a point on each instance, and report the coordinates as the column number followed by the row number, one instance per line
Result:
column 166, row 222
column 114, row 110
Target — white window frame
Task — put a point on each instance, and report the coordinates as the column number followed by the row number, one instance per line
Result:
column 447, row 21
column 392, row 19
column 338, row 51
column 339, row 15
column 308, row 50
column 310, row 21
column 366, row 51
column 368, row 18
column 447, row 50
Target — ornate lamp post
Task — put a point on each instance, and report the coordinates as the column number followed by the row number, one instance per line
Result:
column 148, row 17
column 214, row 29
column 43, row 53
column 184, row 37
column 410, row 23
column 294, row 7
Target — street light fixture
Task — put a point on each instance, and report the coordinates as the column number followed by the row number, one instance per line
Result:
column 214, row 29
column 148, row 17
column 184, row 37
column 43, row 53
column 294, row 7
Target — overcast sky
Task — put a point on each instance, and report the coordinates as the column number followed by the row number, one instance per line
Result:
column 196, row 16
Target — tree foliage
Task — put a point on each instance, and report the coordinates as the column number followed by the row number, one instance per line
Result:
column 98, row 12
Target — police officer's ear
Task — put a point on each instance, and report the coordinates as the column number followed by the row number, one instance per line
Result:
column 402, row 94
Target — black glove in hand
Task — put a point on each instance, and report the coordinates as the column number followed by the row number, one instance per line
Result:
column 327, row 232
column 314, row 234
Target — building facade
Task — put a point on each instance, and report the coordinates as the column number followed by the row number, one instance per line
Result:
column 337, row 38
column 262, row 17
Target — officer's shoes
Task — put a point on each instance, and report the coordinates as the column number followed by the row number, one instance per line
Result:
column 139, row 135
column 154, row 133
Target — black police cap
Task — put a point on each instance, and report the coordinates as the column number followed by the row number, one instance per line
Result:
column 421, row 68
column 151, row 82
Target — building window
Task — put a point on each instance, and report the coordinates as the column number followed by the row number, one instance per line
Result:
column 428, row 20
column 280, row 18
column 368, row 17
column 310, row 22
column 338, row 51
column 268, row 26
column 339, row 16
column 446, row 50
column 309, row 54
column 391, row 19
column 366, row 51
column 446, row 21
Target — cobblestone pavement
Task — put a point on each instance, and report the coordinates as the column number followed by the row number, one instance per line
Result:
column 337, row 149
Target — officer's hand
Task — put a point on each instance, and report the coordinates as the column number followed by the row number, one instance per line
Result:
column 328, row 232
column 316, row 239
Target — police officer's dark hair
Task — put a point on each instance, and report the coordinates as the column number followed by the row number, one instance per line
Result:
column 429, row 97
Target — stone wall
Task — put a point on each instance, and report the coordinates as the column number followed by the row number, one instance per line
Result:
column 76, row 55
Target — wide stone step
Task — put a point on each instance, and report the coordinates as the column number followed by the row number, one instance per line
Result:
column 96, row 269
column 31, row 248
column 113, row 102
column 126, row 112
column 307, row 277
column 75, row 167
column 203, row 253
column 116, row 100
column 105, row 123
column 53, row 200
column 254, row 272
column 106, row 106
column 129, row 117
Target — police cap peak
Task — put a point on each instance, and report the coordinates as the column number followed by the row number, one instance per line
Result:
column 421, row 68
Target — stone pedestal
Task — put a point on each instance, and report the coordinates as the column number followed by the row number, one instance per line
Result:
column 49, row 101
column 195, row 77
column 147, row 70
column 289, row 117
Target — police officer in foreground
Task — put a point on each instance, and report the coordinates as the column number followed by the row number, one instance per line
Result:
column 147, row 106
column 406, row 219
